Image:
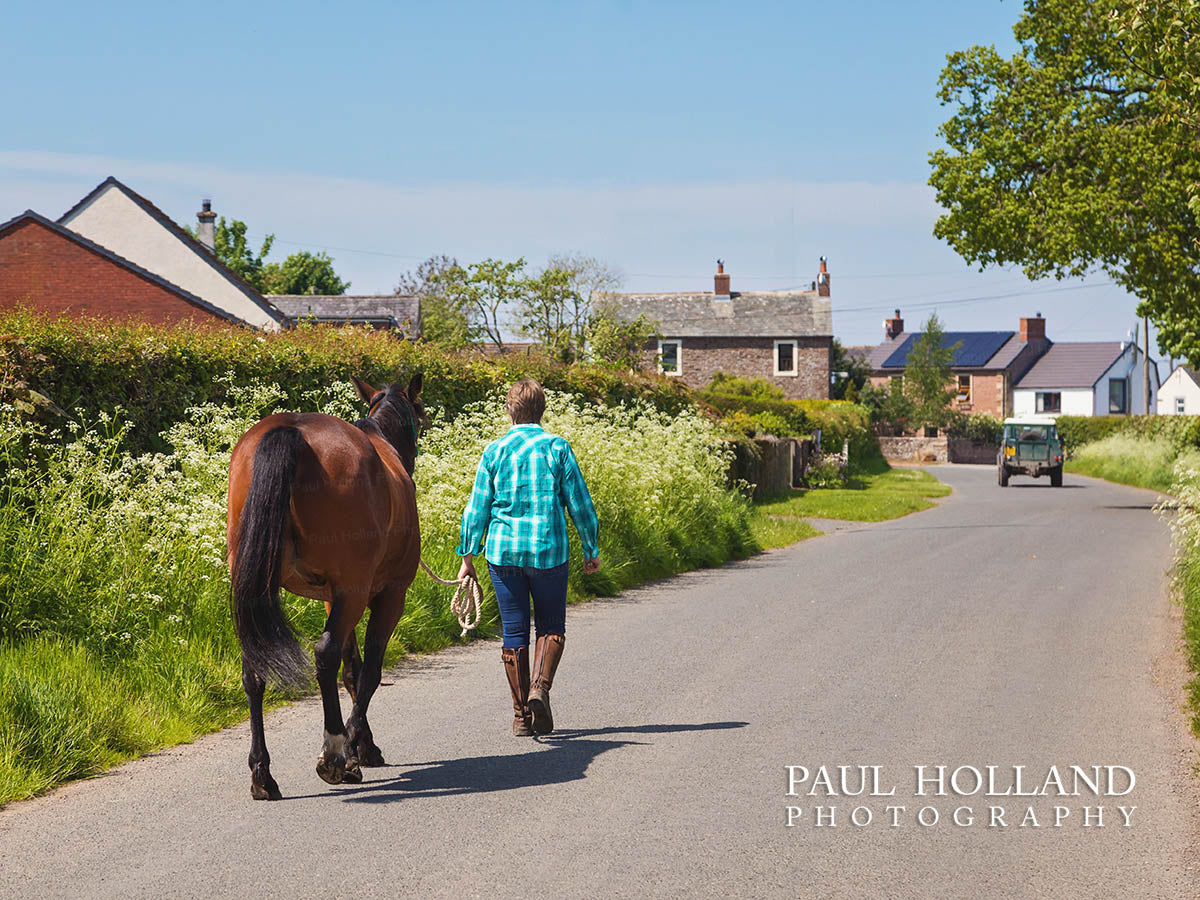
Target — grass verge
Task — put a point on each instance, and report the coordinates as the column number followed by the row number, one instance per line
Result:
column 1135, row 461
column 871, row 497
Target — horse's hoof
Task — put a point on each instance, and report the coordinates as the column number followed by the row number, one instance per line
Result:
column 372, row 758
column 332, row 769
column 263, row 786
column 353, row 774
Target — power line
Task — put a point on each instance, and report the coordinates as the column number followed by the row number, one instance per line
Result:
column 961, row 300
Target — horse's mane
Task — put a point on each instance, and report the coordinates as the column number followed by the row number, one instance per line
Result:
column 396, row 422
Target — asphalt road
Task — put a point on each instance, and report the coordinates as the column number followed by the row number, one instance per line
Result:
column 1020, row 627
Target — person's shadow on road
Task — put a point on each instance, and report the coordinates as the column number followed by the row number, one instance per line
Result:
column 561, row 757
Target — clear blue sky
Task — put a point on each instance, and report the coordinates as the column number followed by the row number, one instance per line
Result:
column 655, row 136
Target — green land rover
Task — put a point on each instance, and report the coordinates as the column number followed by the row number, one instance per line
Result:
column 1030, row 446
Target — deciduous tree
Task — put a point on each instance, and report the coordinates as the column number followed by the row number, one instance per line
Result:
column 302, row 273
column 1069, row 157
column 927, row 382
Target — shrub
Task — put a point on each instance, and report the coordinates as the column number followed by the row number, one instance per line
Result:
column 980, row 428
column 737, row 386
column 155, row 374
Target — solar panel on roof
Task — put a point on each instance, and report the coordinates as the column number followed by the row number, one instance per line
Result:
column 974, row 350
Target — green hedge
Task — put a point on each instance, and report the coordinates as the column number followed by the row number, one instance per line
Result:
column 1179, row 431
column 837, row 420
column 156, row 373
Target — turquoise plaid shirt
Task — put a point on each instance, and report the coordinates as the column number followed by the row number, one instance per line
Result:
column 525, row 478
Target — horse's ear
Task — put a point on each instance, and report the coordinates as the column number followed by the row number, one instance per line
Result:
column 364, row 390
column 414, row 387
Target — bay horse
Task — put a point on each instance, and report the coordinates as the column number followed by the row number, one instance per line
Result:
column 327, row 510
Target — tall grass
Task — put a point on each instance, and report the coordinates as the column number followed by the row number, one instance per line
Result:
column 1129, row 459
column 115, row 634
column 1183, row 511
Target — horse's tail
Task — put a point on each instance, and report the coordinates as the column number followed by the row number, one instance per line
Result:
column 269, row 646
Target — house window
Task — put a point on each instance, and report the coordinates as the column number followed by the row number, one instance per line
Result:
column 785, row 357
column 670, row 357
column 1118, row 396
column 964, row 389
column 1179, row 406
column 1048, row 402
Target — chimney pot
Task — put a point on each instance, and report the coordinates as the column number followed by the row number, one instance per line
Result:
column 893, row 327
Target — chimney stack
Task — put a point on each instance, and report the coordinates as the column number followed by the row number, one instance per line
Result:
column 1033, row 329
column 721, row 281
column 206, row 231
column 823, row 280
column 893, row 327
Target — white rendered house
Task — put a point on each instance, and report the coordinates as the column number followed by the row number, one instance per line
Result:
column 1180, row 393
column 1089, row 378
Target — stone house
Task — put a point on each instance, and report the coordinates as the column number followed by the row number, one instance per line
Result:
column 784, row 337
column 985, row 367
column 395, row 312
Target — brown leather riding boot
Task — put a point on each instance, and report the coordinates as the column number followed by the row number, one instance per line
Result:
column 516, row 667
column 546, row 655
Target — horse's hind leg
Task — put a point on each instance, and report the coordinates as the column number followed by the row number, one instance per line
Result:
column 332, row 763
column 262, row 785
column 386, row 609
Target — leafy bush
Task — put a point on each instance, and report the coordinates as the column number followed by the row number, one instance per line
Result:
column 737, row 386
column 155, row 374
column 978, row 427
column 1178, row 431
column 115, row 633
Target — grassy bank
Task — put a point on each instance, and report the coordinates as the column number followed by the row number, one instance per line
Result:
column 1143, row 462
column 115, row 635
column 871, row 497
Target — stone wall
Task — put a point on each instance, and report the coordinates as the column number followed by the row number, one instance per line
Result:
column 914, row 449
column 702, row 357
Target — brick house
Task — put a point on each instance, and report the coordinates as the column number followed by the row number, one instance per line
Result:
column 784, row 337
column 986, row 364
column 114, row 253
column 46, row 266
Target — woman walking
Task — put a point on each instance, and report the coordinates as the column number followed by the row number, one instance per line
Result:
column 525, row 478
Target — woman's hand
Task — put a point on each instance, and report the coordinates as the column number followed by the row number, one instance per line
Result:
column 591, row 565
column 467, row 568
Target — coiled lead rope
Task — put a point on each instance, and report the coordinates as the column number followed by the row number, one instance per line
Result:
column 467, row 602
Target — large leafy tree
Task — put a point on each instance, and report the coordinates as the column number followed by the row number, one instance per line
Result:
column 547, row 311
column 444, row 316
column 303, row 273
column 484, row 291
column 1068, row 157
column 927, row 384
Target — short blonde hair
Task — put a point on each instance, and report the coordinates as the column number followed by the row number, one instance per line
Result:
column 526, row 402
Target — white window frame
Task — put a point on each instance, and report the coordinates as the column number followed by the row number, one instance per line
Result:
column 678, row 342
column 1180, row 406
column 958, row 387
column 795, row 358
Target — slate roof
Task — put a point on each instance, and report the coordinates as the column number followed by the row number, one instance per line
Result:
column 170, row 225
column 1072, row 364
column 401, row 311
column 63, row 231
column 744, row 314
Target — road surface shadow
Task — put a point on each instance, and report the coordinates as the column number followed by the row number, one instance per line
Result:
column 1064, row 485
column 559, row 758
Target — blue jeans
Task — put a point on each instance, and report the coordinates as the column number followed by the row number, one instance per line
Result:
column 515, row 586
